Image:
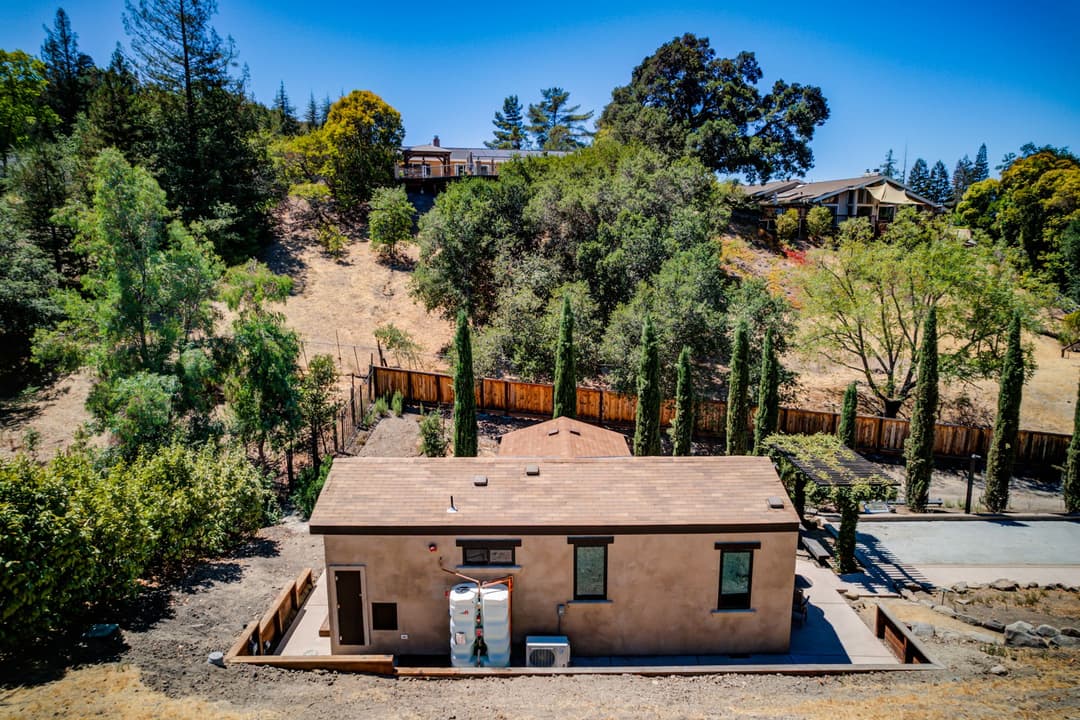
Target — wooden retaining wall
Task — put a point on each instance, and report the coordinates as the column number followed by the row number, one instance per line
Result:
column 899, row 639
column 872, row 433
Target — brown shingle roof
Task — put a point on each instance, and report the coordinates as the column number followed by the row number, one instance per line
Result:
column 381, row 496
column 563, row 437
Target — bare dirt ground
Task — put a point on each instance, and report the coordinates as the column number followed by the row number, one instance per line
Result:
column 54, row 413
column 161, row 672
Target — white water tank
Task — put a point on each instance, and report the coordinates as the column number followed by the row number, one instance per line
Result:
column 495, row 616
column 463, row 612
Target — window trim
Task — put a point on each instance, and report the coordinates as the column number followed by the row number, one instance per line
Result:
column 493, row 544
column 590, row 541
column 735, row 547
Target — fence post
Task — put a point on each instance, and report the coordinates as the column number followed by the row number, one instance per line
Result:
column 880, row 433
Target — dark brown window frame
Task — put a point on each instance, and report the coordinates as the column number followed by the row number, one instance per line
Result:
column 489, row 545
column 740, row 601
column 591, row 541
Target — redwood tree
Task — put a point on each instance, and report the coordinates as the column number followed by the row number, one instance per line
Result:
column 919, row 448
column 464, row 392
column 999, row 461
column 647, row 415
column 565, row 401
column 738, row 398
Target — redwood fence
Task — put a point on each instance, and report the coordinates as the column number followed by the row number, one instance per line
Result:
column 872, row 434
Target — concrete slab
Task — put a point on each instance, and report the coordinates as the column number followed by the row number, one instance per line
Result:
column 302, row 637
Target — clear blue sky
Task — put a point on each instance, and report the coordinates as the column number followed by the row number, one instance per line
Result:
column 939, row 77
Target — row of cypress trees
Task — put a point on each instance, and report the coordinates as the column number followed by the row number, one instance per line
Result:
column 918, row 449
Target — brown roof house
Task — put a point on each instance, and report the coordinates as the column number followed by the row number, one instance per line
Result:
column 872, row 196
column 481, row 558
column 563, row 437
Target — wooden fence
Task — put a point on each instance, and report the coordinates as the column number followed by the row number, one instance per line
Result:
column 872, row 433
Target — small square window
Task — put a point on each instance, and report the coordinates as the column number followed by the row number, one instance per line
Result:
column 384, row 616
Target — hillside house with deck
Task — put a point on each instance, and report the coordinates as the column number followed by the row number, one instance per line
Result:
column 431, row 165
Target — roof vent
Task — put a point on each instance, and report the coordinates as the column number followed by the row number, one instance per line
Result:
column 553, row 432
column 575, row 432
column 479, row 480
column 532, row 469
column 776, row 503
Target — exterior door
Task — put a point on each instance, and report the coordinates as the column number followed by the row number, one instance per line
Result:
column 349, row 596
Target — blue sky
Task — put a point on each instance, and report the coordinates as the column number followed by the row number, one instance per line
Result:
column 937, row 77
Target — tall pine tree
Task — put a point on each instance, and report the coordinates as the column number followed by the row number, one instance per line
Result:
column 311, row 115
column 738, row 398
column 961, row 179
column 510, row 133
column 919, row 448
column 682, row 425
column 464, row 392
column 888, row 167
column 919, row 179
column 999, row 461
column 981, row 170
column 565, row 368
column 768, row 400
column 70, row 73
column 940, row 188
column 846, row 428
column 1070, row 480
column 647, row 415
column 118, row 116
column 284, row 112
column 556, row 126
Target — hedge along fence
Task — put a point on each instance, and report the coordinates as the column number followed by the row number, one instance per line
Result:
column 872, row 433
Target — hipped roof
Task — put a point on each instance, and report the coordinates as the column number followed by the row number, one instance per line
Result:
column 563, row 437
column 410, row 496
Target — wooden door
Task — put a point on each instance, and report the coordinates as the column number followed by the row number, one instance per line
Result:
column 349, row 594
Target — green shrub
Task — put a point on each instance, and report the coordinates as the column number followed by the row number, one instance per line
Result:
column 332, row 239
column 75, row 537
column 381, row 407
column 819, row 222
column 397, row 404
column 787, row 225
column 308, row 486
column 433, row 440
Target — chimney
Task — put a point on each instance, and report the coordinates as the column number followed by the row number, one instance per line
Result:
column 435, row 142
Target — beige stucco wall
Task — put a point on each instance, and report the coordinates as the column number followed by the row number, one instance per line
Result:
column 662, row 592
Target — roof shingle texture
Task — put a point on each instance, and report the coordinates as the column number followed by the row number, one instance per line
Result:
column 563, row 437
column 411, row 495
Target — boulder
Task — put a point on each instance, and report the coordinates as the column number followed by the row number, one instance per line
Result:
column 999, row 670
column 1031, row 585
column 1047, row 631
column 945, row 610
column 950, row 636
column 921, row 629
column 981, row 638
column 852, row 594
column 1018, row 627
column 1064, row 641
column 1004, row 584
column 975, row 586
column 969, row 619
column 992, row 624
column 1071, row 632
column 960, row 587
column 906, row 594
column 1021, row 634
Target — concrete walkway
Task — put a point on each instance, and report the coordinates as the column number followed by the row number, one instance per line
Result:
column 303, row 637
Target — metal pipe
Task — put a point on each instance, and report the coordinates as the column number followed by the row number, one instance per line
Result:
column 971, row 482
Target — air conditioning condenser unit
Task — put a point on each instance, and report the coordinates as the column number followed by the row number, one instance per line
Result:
column 543, row 651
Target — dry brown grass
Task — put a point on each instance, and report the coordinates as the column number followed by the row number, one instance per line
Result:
column 110, row 691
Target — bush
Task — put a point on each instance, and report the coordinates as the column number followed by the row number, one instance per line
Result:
column 819, row 222
column 397, row 404
column 308, row 486
column 433, row 440
column 381, row 408
column 787, row 225
column 391, row 220
column 332, row 239
column 75, row 539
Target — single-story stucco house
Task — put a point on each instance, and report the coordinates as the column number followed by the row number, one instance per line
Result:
column 621, row 555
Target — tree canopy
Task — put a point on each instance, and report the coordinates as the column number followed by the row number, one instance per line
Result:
column 685, row 99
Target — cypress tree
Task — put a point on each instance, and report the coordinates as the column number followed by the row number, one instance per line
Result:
column 647, row 416
column 464, row 392
column 999, row 461
column 981, row 169
column 682, row 426
column 768, row 400
column 846, row 429
column 919, row 449
column 1070, row 481
column 738, row 399
column 918, row 178
column 565, row 402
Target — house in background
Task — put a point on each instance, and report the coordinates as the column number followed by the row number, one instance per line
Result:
column 429, row 166
column 871, row 196
column 620, row 555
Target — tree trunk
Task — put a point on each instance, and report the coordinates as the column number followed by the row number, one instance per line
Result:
column 289, row 466
column 315, row 448
column 891, row 406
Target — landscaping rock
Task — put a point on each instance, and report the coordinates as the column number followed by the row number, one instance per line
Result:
column 975, row 586
column 921, row 629
column 999, row 670
column 852, row 594
column 1064, row 641
column 1020, row 634
column 992, row 624
column 981, row 638
column 1004, row 584
column 945, row 610
column 1071, row 632
column 907, row 594
column 1047, row 631
column 960, row 587
column 969, row 619
column 927, row 603
column 1031, row 585
column 950, row 636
